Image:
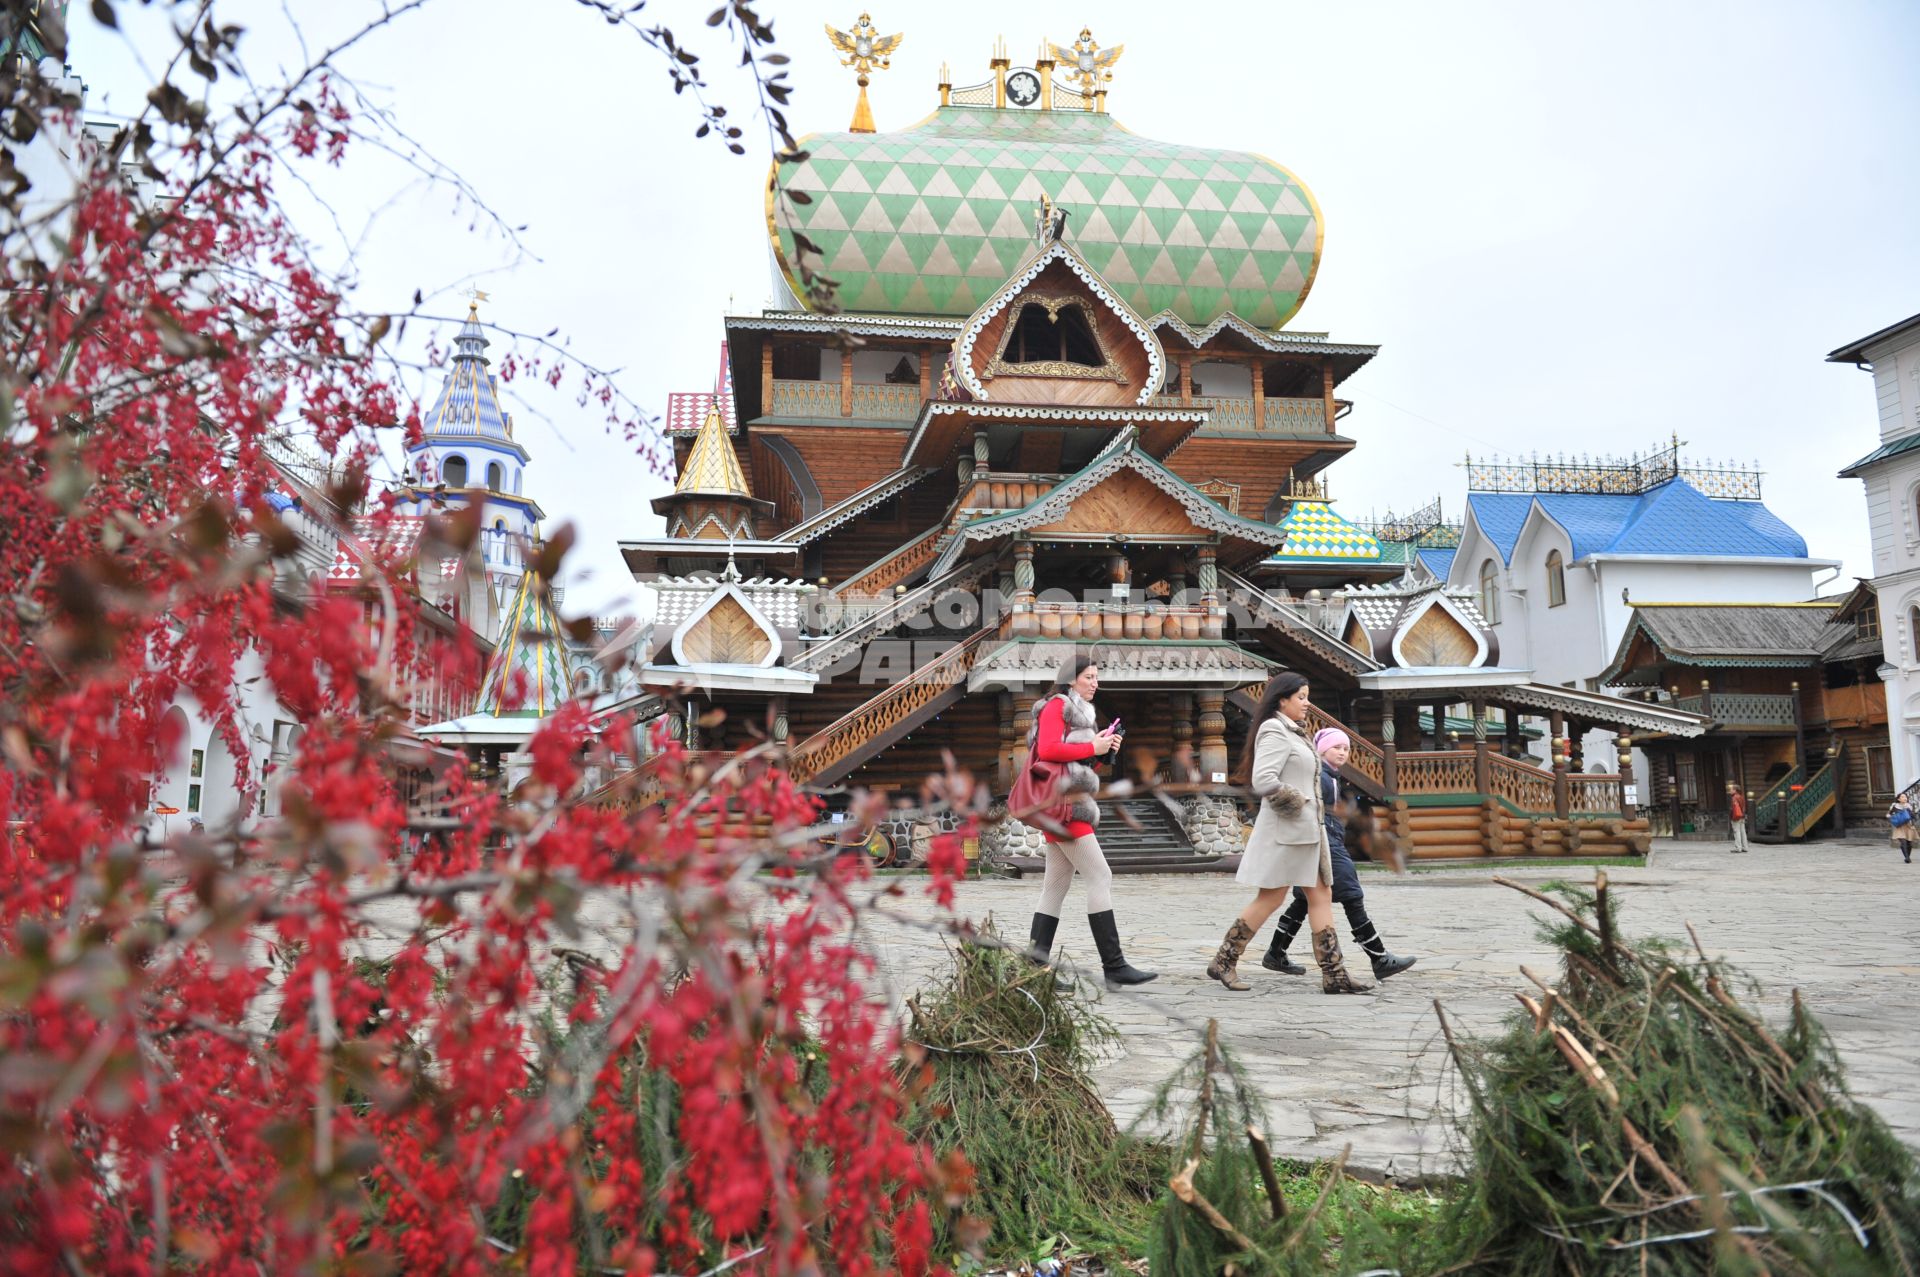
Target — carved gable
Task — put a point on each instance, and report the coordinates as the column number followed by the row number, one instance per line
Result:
column 1126, row 501
column 1436, row 634
column 1056, row 334
column 726, row 630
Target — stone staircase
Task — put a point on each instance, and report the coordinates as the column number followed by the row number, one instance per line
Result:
column 1150, row 842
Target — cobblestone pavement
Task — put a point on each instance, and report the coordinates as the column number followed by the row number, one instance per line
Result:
column 1836, row 920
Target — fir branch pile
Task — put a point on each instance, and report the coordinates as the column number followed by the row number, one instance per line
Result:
column 1637, row 1118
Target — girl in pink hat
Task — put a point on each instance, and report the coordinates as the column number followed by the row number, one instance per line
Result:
column 1334, row 747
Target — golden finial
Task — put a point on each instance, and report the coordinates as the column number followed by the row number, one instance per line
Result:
column 1090, row 67
column 866, row 52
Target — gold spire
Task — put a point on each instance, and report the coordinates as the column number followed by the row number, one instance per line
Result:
column 712, row 465
column 866, row 53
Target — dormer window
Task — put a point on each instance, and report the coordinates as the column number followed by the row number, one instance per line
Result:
column 1052, row 337
column 1866, row 622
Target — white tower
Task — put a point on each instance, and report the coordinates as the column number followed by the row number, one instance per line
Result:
column 469, row 457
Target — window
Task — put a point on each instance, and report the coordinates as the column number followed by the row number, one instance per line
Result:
column 1880, row 773
column 193, row 798
column 1685, row 778
column 496, row 477
column 197, row 767
column 1490, row 592
column 1866, row 623
column 453, row 472
column 1913, row 626
column 1556, row 579
column 1044, row 334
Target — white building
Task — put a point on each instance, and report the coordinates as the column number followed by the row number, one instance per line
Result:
column 1891, row 473
column 1554, row 552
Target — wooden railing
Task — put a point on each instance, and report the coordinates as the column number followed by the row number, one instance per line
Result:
column 1592, row 795
column 895, row 567
column 886, row 403
column 1748, row 709
column 1769, row 809
column 1282, row 416
column 996, row 491
column 903, row 608
column 805, row 399
column 1528, row 788
column 1436, row 772
column 1366, row 757
column 1814, row 800
column 854, row 730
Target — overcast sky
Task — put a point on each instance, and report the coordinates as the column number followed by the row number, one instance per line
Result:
column 1580, row 227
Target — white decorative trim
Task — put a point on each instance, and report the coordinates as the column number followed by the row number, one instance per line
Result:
column 876, row 325
column 1440, row 600
column 1276, row 341
column 962, row 364
column 1055, row 504
column 857, row 504
column 1068, row 411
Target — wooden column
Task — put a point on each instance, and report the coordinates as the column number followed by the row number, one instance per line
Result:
column 1624, row 744
column 1482, row 769
column 1181, row 706
column 1389, row 750
column 1439, row 712
column 1023, row 701
column 1259, row 395
column 1562, row 803
column 1514, row 739
column 1326, row 391
column 1010, row 740
column 766, row 379
column 777, row 726
column 846, row 383
column 1838, row 753
column 1799, row 730
column 1213, row 733
column 1706, row 698
column 1186, row 379
column 1673, row 788
column 1024, row 621
column 1576, row 747
column 926, row 372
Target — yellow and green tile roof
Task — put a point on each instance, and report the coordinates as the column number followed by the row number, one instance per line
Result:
column 1315, row 532
column 932, row 219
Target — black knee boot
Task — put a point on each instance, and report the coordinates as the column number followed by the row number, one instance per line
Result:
column 1284, row 930
column 1113, row 963
column 1364, row 935
column 1040, row 937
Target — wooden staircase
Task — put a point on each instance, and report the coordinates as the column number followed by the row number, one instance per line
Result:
column 830, row 754
column 1814, row 802
column 1151, row 842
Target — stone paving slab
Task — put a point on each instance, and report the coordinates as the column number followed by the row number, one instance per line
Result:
column 1836, row 920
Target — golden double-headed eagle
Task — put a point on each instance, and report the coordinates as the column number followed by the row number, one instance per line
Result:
column 865, row 50
column 1089, row 65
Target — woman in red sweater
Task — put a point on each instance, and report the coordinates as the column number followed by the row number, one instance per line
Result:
column 1063, row 733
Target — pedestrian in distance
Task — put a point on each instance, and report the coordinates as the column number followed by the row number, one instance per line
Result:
column 1900, row 824
column 1288, row 848
column 1737, row 817
column 1062, row 746
column 1335, row 747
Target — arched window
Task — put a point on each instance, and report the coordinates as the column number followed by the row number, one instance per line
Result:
column 1556, row 579
column 1058, row 334
column 453, row 472
column 1913, row 625
column 1490, row 592
column 496, row 476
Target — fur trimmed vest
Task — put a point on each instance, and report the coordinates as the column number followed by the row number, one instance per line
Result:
column 1078, row 782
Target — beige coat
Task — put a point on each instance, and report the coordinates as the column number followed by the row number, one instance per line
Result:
column 1288, row 846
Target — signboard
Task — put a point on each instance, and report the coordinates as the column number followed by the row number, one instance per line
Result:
column 1219, row 778
column 164, row 810
column 1633, row 795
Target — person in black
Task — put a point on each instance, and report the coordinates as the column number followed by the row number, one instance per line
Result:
column 1333, row 746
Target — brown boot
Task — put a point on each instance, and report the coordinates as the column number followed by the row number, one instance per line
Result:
column 1333, row 972
column 1222, row 968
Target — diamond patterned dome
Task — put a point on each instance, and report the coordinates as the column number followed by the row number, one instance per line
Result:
column 932, row 219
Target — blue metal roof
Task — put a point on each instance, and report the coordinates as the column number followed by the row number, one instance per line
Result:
column 1438, row 562
column 1674, row 518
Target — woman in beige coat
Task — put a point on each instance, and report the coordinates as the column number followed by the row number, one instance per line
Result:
column 1288, row 847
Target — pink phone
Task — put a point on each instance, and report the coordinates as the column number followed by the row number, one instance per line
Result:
column 1114, row 726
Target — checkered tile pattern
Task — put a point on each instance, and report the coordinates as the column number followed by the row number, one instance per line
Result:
column 388, row 542
column 933, row 219
column 1314, row 531
column 686, row 409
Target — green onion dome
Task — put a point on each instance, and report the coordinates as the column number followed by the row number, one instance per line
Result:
column 932, row 219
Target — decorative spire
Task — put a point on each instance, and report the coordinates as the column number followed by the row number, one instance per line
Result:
column 713, row 468
column 531, row 673
column 866, row 52
column 469, row 402
column 1089, row 66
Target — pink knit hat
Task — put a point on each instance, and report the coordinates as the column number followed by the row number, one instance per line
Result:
column 1327, row 737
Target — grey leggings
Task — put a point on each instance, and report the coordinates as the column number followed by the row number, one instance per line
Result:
column 1063, row 858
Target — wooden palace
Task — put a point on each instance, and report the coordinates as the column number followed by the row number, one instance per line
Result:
column 1059, row 405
